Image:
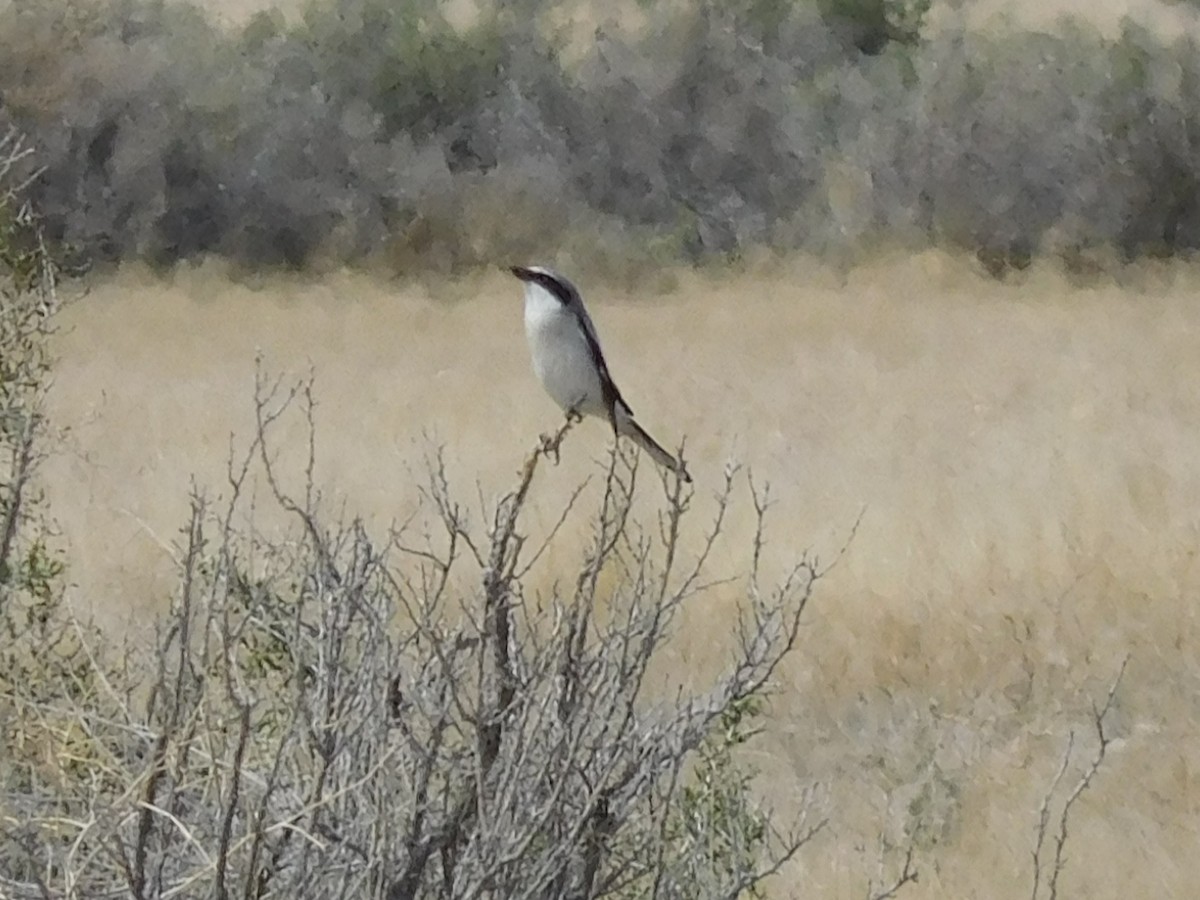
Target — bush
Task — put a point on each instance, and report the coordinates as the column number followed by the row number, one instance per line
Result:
column 43, row 656
column 378, row 133
column 28, row 570
column 328, row 716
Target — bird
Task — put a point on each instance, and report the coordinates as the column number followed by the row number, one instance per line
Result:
column 568, row 361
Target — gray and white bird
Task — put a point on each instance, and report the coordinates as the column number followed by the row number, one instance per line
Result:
column 569, row 362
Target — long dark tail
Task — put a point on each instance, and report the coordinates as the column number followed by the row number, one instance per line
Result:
column 631, row 429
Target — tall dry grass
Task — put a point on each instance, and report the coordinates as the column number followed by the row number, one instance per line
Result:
column 1023, row 455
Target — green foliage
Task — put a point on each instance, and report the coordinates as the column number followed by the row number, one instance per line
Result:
column 28, row 571
column 404, row 60
column 30, row 574
column 718, row 801
column 873, row 24
column 47, row 667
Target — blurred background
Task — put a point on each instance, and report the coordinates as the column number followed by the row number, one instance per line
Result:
column 438, row 136
column 931, row 263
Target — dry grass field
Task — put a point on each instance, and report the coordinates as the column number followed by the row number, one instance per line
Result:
column 1024, row 455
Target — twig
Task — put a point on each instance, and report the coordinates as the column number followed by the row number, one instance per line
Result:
column 908, row 875
column 1103, row 740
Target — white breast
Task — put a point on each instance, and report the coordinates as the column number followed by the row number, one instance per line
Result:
column 562, row 359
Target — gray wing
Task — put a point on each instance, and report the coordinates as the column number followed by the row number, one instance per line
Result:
column 608, row 387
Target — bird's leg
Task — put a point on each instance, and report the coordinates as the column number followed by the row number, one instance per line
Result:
column 551, row 442
column 549, row 446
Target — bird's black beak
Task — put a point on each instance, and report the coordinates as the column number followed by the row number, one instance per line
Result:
column 521, row 272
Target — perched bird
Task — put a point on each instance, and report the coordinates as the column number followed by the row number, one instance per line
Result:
column 568, row 360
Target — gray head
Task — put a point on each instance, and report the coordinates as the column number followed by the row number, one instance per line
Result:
column 558, row 286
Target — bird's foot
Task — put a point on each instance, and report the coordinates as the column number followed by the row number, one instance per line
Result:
column 549, row 446
column 574, row 416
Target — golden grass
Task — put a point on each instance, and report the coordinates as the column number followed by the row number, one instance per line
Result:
column 1026, row 455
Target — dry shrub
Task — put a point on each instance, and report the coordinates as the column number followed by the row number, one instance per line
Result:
column 371, row 132
column 326, row 715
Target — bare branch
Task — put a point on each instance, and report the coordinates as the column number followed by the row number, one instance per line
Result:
column 908, row 875
column 331, row 718
column 1062, row 834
